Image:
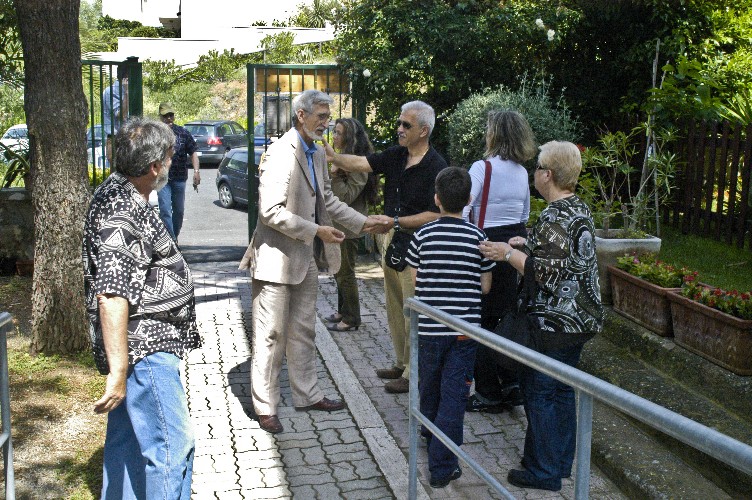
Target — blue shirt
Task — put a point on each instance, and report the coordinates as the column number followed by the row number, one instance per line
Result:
column 309, row 151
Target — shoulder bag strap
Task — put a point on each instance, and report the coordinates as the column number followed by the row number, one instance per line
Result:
column 484, row 195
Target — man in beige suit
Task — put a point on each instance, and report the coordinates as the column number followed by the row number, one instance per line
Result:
column 294, row 239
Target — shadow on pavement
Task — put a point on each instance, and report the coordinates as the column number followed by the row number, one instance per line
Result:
column 210, row 253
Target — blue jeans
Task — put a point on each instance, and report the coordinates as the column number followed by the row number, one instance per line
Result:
column 172, row 206
column 445, row 372
column 148, row 451
column 551, row 421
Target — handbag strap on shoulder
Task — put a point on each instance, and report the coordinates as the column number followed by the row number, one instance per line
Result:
column 484, row 195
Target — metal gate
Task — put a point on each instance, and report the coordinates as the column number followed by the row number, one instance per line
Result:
column 114, row 91
column 271, row 89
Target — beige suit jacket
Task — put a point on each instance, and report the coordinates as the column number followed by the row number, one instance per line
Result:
column 284, row 241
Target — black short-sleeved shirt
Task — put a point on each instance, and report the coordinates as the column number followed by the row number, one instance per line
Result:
column 413, row 191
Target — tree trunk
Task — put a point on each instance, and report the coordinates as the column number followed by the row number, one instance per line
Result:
column 56, row 116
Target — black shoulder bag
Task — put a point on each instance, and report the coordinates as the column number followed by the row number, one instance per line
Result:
column 396, row 252
column 517, row 325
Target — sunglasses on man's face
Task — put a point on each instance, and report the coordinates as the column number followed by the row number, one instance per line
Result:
column 404, row 124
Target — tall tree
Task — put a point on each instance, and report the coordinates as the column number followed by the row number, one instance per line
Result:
column 56, row 116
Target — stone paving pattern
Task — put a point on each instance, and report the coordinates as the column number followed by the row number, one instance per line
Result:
column 345, row 454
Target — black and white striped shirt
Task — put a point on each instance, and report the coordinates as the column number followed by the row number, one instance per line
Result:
column 449, row 264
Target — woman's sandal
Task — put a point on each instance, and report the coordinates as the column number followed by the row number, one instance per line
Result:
column 341, row 327
column 333, row 318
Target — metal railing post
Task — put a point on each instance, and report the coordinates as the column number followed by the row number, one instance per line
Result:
column 6, row 326
column 584, row 439
column 414, row 408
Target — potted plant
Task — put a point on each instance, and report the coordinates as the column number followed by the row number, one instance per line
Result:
column 640, row 285
column 17, row 165
column 626, row 200
column 714, row 323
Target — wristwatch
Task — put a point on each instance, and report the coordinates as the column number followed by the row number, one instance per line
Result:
column 508, row 255
column 396, row 223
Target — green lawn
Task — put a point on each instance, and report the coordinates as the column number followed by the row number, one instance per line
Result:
column 719, row 264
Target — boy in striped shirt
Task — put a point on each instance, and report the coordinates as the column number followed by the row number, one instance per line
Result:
column 450, row 274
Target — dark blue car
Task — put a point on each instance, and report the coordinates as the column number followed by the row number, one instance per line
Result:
column 232, row 176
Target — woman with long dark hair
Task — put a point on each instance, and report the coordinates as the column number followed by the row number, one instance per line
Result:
column 357, row 189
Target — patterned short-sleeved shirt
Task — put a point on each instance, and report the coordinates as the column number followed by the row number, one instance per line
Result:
column 127, row 252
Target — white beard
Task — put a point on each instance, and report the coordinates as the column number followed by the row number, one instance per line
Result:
column 312, row 134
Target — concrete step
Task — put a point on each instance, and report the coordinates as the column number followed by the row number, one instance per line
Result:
column 645, row 462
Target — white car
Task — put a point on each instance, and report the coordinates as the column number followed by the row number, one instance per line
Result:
column 16, row 137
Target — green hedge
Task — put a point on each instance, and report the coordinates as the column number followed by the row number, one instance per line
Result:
column 467, row 123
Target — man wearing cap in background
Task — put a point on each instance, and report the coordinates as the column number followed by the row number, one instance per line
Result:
column 172, row 196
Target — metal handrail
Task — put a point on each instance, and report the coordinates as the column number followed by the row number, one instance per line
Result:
column 713, row 443
column 6, row 326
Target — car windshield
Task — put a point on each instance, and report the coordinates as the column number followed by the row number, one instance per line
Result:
column 258, row 129
column 197, row 128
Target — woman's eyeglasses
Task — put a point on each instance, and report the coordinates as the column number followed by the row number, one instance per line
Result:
column 404, row 124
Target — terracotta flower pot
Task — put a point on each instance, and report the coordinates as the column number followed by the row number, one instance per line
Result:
column 642, row 301
column 25, row 267
column 716, row 336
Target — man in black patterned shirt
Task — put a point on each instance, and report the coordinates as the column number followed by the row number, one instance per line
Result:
column 139, row 298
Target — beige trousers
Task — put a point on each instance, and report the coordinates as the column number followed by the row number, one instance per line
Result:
column 398, row 287
column 284, row 324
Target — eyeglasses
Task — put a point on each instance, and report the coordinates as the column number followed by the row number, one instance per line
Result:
column 404, row 124
column 322, row 117
column 538, row 166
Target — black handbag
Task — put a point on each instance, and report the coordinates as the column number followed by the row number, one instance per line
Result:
column 517, row 325
column 396, row 252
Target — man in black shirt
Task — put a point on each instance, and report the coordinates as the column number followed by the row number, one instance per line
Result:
column 409, row 172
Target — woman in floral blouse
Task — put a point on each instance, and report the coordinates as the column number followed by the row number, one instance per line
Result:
column 561, row 253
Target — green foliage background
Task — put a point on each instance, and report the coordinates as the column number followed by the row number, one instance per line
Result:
column 600, row 55
column 467, row 123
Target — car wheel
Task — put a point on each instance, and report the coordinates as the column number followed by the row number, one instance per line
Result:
column 225, row 196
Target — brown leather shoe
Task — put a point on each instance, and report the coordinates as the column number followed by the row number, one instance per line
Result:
column 390, row 373
column 398, row 386
column 324, row 405
column 270, row 423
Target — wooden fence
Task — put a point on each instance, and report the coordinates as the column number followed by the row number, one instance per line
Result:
column 713, row 198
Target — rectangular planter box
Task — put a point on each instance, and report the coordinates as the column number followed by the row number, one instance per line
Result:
column 641, row 301
column 716, row 336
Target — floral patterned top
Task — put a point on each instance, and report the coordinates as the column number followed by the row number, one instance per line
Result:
column 127, row 252
column 562, row 242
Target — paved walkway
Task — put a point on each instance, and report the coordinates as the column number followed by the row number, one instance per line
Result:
column 356, row 453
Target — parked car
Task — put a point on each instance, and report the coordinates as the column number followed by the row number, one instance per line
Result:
column 96, row 132
column 216, row 137
column 16, row 137
column 232, row 176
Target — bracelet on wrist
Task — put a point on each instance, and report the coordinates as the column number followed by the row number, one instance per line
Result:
column 508, row 255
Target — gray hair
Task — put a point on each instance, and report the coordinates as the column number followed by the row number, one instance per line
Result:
column 423, row 112
column 307, row 100
column 139, row 143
